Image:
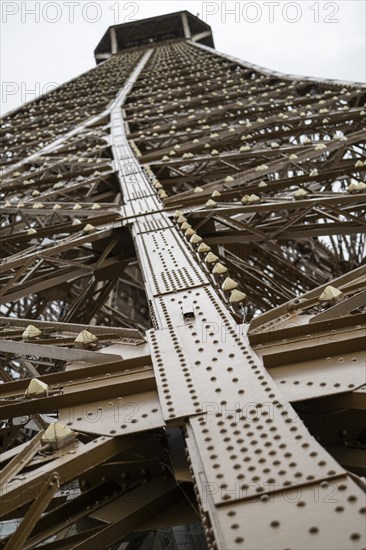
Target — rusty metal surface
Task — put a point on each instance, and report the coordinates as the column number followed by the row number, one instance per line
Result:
column 182, row 305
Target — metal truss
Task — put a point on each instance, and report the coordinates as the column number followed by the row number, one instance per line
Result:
column 182, row 306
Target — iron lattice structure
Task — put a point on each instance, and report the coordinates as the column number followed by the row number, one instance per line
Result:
column 182, row 303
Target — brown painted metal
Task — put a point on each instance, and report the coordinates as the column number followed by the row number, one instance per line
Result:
column 224, row 388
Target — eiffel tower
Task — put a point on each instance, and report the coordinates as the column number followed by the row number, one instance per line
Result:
column 182, row 318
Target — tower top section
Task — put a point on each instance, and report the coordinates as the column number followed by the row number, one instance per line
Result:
column 181, row 24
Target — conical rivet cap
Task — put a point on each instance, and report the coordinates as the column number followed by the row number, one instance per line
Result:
column 229, row 284
column 329, row 293
column 203, row 248
column 237, row 296
column 31, row 332
column 89, row 228
column 195, row 239
column 85, row 337
column 189, row 232
column 36, row 387
column 219, row 269
column 210, row 203
column 211, row 258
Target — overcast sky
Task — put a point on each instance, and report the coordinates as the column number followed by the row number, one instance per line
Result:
column 45, row 43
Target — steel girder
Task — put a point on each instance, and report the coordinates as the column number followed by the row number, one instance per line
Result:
column 182, row 301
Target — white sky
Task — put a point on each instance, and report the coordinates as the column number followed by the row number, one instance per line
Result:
column 307, row 37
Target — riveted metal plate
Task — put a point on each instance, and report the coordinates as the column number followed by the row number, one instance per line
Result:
column 246, row 417
column 210, row 314
column 117, row 416
column 324, row 515
column 320, row 377
column 247, row 420
column 149, row 203
column 240, row 448
column 167, row 265
column 154, row 222
column 134, row 182
column 177, row 387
